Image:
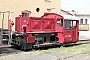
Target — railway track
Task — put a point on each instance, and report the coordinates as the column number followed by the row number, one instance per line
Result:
column 7, row 49
column 80, row 42
column 83, row 42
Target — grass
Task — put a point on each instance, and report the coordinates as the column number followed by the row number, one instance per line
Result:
column 84, row 49
column 79, row 49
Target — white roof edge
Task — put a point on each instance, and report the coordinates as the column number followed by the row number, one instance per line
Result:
column 68, row 17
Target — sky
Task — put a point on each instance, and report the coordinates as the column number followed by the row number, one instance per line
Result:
column 82, row 6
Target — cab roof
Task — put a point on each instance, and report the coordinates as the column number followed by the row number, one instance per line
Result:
column 68, row 17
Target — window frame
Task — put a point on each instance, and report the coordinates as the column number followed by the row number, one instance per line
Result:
column 60, row 22
column 81, row 21
column 86, row 20
column 67, row 25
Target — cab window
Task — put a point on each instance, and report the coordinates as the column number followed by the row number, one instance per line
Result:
column 74, row 24
column 59, row 22
column 68, row 24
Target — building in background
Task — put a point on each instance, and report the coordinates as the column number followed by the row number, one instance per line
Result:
column 36, row 7
column 84, row 19
column 84, row 22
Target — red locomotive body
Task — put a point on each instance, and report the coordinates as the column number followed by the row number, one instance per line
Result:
column 50, row 29
column 34, row 24
column 68, row 28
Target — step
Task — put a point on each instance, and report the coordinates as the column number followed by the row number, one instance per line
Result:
column 46, row 44
column 4, row 34
column 5, row 40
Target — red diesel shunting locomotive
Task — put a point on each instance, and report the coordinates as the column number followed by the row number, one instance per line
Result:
column 50, row 29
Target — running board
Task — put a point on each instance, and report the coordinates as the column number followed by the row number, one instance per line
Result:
column 46, row 44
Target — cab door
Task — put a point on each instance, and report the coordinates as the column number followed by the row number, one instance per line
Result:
column 68, row 31
column 75, row 30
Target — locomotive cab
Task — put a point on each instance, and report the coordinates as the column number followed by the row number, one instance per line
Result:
column 68, row 29
column 71, row 29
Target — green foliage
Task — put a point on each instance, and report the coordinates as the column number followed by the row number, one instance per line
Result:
column 85, row 48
